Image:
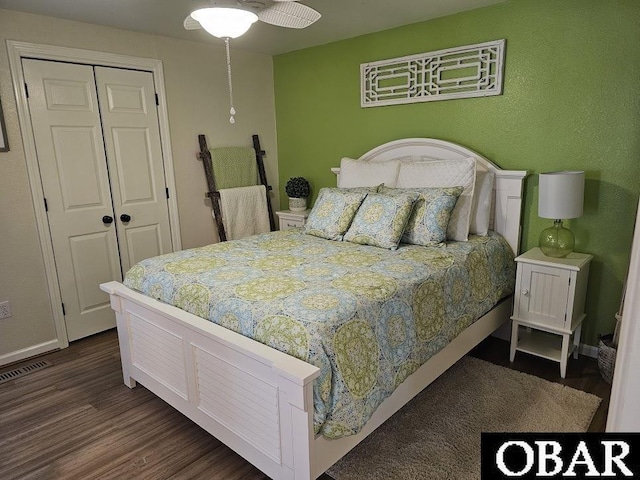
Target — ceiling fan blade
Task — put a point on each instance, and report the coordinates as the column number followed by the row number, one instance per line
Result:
column 289, row 14
column 191, row 23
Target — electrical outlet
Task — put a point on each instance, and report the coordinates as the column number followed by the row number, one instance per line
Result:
column 5, row 310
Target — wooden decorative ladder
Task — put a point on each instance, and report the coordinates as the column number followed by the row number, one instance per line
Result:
column 214, row 194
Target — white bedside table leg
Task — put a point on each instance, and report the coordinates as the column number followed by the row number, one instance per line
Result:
column 514, row 340
column 564, row 355
column 576, row 340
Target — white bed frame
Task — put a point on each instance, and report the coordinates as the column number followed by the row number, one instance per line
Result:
column 258, row 400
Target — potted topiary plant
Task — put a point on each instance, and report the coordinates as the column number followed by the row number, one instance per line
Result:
column 298, row 190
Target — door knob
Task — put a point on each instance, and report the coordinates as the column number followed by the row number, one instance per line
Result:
column 125, row 218
column 107, row 219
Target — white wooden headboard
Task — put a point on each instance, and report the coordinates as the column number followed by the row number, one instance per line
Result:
column 506, row 215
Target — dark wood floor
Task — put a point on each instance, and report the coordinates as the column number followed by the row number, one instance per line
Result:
column 76, row 419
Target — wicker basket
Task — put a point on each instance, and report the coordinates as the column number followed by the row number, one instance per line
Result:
column 606, row 357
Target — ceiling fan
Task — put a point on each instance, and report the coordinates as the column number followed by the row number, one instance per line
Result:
column 228, row 19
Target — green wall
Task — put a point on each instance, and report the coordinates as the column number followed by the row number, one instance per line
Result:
column 570, row 101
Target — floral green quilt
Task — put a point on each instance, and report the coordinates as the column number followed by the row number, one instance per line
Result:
column 367, row 317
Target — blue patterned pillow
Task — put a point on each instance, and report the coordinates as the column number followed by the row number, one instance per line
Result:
column 333, row 212
column 431, row 213
column 381, row 219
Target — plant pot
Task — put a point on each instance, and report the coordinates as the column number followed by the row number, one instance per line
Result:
column 606, row 357
column 297, row 204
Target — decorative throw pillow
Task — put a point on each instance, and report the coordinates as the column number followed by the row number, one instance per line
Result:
column 482, row 199
column 381, row 219
column 333, row 212
column 429, row 219
column 445, row 173
column 356, row 173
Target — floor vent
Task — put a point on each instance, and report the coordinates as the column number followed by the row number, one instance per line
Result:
column 22, row 371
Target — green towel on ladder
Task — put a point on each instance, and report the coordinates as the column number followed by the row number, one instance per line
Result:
column 234, row 167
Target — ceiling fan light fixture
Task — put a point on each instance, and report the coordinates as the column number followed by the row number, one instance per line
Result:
column 225, row 22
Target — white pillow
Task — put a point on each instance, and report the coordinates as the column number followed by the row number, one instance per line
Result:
column 482, row 197
column 445, row 173
column 354, row 173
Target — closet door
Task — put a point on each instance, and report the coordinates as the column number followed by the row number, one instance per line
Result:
column 134, row 155
column 68, row 137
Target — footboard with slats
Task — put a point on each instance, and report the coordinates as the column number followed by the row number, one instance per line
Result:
column 256, row 400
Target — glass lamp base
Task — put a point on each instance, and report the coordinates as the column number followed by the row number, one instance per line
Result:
column 556, row 241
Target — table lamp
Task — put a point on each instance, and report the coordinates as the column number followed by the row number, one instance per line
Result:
column 561, row 196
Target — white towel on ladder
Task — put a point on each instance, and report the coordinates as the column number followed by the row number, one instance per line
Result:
column 244, row 211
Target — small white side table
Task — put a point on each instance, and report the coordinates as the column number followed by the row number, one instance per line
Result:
column 288, row 219
column 548, row 305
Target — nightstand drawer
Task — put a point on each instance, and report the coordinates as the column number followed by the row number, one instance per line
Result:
column 286, row 223
column 288, row 219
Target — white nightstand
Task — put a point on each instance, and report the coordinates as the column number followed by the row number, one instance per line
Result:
column 548, row 305
column 289, row 219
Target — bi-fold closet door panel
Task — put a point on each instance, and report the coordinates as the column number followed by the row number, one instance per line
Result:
column 134, row 155
column 98, row 146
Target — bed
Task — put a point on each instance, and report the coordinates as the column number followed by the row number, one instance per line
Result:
column 260, row 401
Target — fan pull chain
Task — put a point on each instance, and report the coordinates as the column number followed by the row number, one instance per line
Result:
column 232, row 110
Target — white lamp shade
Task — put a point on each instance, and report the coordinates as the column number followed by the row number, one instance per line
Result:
column 223, row 22
column 561, row 195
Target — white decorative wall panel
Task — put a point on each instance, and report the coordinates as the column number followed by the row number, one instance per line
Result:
column 460, row 72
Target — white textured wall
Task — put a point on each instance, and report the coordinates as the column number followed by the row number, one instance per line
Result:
column 197, row 97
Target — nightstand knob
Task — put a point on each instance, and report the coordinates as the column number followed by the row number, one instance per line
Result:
column 524, row 292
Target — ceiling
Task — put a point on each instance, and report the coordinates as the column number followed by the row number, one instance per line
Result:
column 340, row 18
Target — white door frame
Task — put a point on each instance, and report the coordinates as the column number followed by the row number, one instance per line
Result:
column 19, row 50
column 623, row 409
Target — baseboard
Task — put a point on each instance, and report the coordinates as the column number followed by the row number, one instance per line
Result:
column 32, row 351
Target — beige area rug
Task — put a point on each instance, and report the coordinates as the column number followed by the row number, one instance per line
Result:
column 437, row 435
